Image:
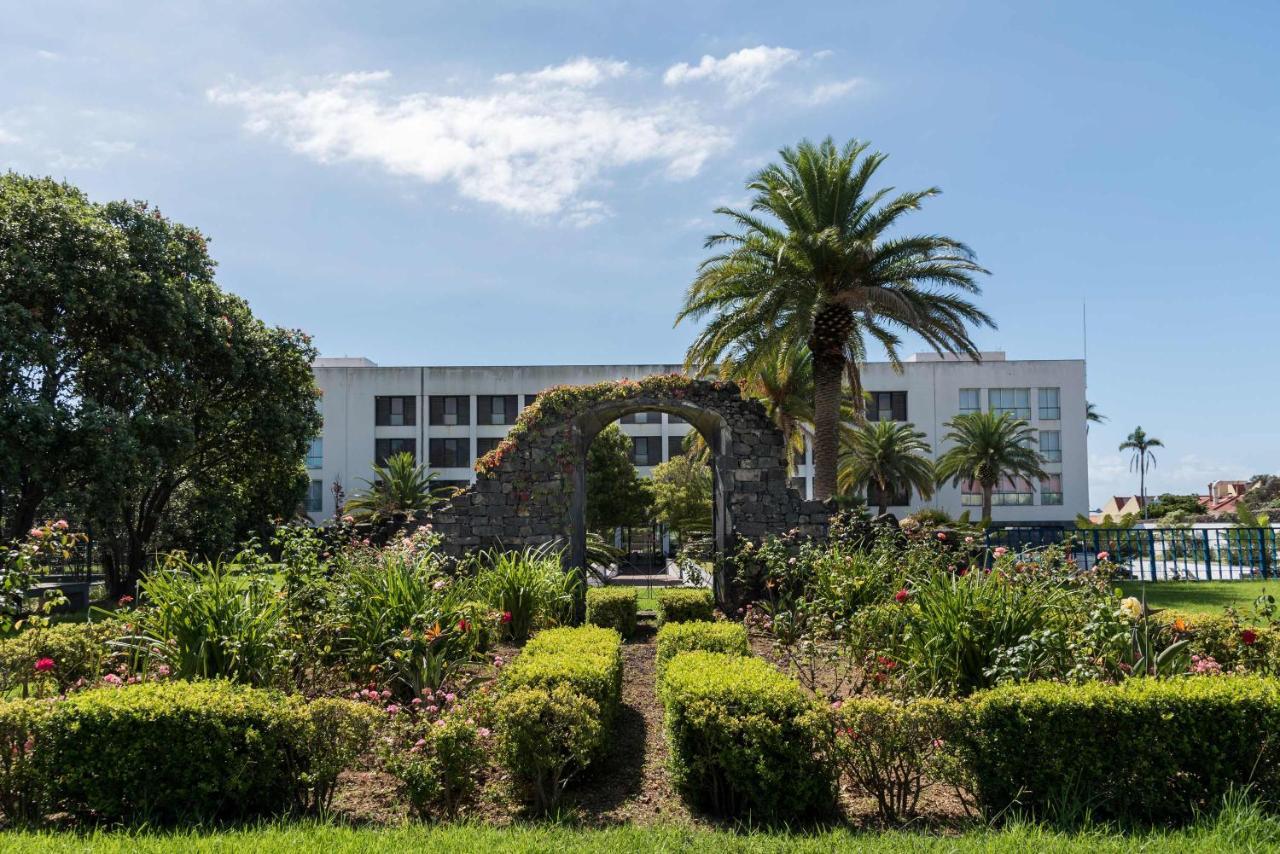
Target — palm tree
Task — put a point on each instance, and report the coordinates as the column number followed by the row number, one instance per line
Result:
column 812, row 262
column 1092, row 415
column 886, row 454
column 986, row 448
column 782, row 380
column 399, row 485
column 1142, row 458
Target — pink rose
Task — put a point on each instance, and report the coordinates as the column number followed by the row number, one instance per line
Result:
column 1104, row 555
column 44, row 665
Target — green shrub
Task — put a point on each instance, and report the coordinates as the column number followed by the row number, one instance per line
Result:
column 613, row 608
column 22, row 784
column 684, row 605
column 1147, row 751
column 588, row 659
column 892, row 751
column 160, row 752
column 77, row 650
column 546, row 737
column 438, row 763
column 744, row 738
column 675, row 638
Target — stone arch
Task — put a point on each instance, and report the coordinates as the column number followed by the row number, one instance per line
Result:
column 532, row 488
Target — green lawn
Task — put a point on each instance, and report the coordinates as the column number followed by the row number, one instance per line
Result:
column 1202, row 597
column 1236, row 830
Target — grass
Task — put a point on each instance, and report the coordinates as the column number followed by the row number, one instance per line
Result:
column 1202, row 597
column 1237, row 828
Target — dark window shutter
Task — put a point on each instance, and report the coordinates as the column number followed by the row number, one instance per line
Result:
column 899, row 406
column 381, row 411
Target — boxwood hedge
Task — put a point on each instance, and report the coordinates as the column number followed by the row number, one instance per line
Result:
column 724, row 637
column 588, row 659
column 613, row 608
column 685, row 604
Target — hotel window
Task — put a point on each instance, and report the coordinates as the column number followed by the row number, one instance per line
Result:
column 675, row 446
column 887, row 406
column 497, row 408
column 315, row 496
column 675, row 419
column 970, row 494
column 1012, row 492
column 1051, row 445
column 394, row 412
column 899, row 495
column 1051, row 489
column 646, row 450
column 450, row 453
column 315, row 454
column 642, row 418
column 486, row 444
column 449, row 410
column 970, row 400
column 1015, row 401
column 529, row 399
column 1050, row 404
column 384, row 448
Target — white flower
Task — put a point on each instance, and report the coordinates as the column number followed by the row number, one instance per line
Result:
column 1130, row 607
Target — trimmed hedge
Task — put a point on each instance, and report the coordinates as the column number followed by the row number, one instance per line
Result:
column 1146, row 751
column 22, row 784
column 545, row 737
column 588, row 659
column 613, row 608
column 723, row 637
column 684, row 605
column 744, row 739
column 160, row 752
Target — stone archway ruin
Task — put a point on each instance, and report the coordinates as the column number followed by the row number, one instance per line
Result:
column 531, row 489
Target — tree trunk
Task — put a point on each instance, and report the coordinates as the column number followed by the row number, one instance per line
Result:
column 828, row 376
column 1142, row 487
column 986, row 504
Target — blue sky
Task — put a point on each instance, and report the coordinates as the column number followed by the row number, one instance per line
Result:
column 526, row 182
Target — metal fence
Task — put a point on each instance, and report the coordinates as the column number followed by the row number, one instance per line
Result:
column 1159, row 554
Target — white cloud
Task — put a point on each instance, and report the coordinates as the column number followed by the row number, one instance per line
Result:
column 826, row 92
column 8, row 138
column 743, row 73
column 584, row 72
column 532, row 149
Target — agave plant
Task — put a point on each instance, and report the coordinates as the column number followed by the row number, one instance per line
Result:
column 398, row 486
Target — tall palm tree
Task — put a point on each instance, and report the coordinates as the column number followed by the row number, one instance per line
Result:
column 985, row 448
column 1092, row 415
column 888, row 455
column 399, row 485
column 782, row 380
column 813, row 261
column 1141, row 459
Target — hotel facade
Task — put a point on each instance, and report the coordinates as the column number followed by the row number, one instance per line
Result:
column 447, row 417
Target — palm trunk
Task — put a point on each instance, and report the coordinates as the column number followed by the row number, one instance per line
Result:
column 828, row 376
column 986, row 504
column 1142, row 488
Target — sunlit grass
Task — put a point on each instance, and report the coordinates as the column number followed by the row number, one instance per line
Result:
column 1202, row 597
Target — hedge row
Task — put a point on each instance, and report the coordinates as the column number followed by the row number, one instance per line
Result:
column 613, row 608
column 163, row 752
column 685, row 604
column 744, row 738
column 560, row 697
column 724, row 637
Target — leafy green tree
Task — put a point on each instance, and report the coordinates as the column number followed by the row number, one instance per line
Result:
column 888, row 455
column 682, row 489
column 814, row 261
column 1141, row 458
column 1167, row 503
column 987, row 448
column 135, row 377
column 617, row 497
column 400, row 485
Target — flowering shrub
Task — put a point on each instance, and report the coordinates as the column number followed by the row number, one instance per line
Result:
column 545, row 737
column 1225, row 639
column 685, row 604
column 613, row 608
column 890, row 751
column 20, row 564
column 437, row 753
column 743, row 738
column 61, row 656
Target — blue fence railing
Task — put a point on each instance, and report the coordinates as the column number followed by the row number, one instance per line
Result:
column 1159, row 554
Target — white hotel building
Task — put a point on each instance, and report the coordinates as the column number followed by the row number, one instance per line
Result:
column 449, row 416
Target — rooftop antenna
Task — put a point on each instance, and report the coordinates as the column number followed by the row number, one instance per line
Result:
column 1084, row 335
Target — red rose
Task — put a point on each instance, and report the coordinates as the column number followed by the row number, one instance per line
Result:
column 1248, row 637
column 901, row 595
column 506, row 616
column 464, row 625
column 44, row 665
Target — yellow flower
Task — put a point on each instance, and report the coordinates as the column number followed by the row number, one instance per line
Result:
column 1131, row 608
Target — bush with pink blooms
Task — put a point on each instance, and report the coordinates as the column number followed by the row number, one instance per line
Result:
column 438, row 748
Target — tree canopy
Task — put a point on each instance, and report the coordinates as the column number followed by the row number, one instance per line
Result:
column 682, row 495
column 617, row 497
column 131, row 386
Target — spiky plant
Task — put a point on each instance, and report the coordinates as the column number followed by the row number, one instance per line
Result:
column 814, row 261
column 399, row 485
